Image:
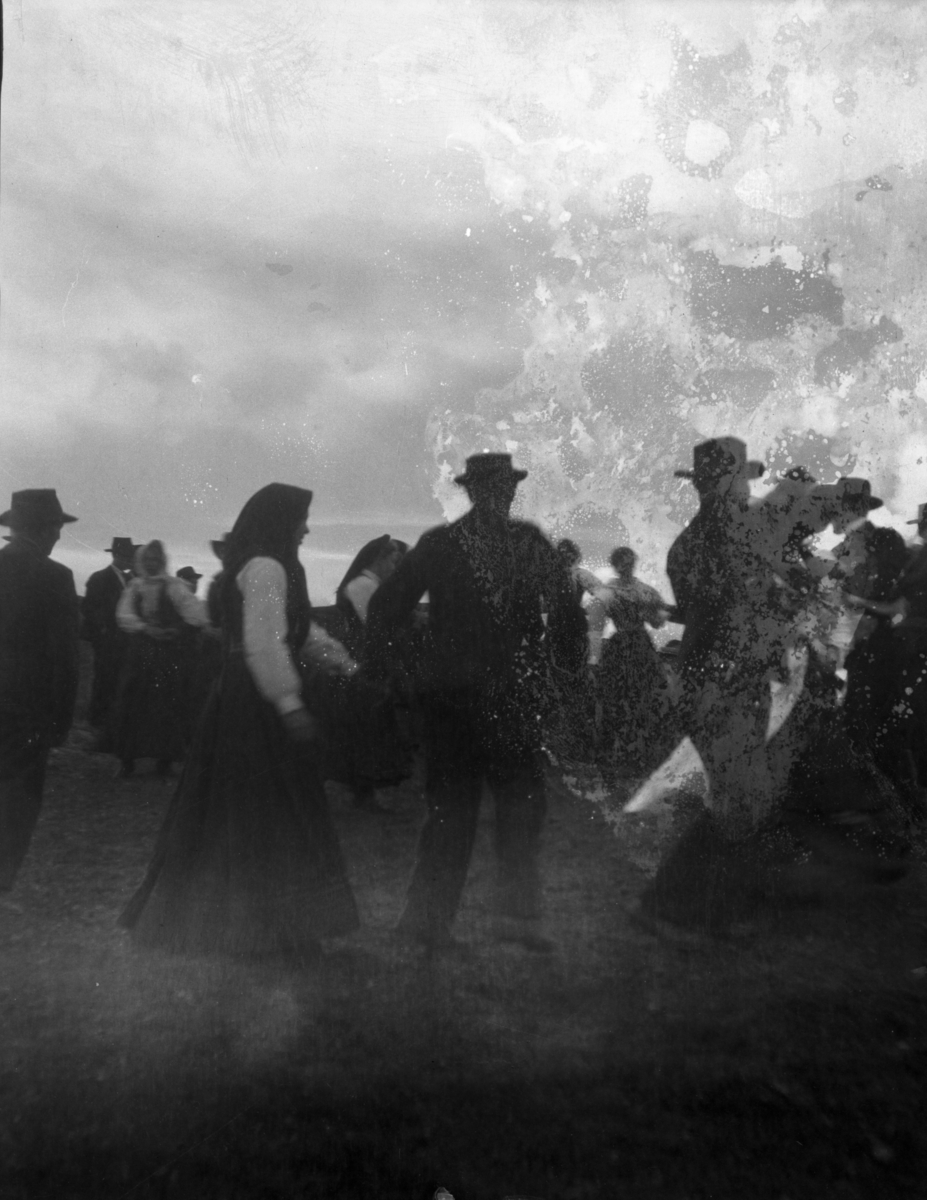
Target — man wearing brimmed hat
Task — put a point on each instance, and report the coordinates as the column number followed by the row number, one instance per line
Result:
column 190, row 576
column 38, row 664
column 481, row 682
column 99, row 628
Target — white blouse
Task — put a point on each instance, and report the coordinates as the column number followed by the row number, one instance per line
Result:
column 262, row 582
column 192, row 611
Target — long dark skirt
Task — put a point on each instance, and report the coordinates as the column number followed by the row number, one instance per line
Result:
column 248, row 861
column 636, row 733
column 149, row 716
column 365, row 745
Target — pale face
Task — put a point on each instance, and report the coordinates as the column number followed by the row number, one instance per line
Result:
column 152, row 563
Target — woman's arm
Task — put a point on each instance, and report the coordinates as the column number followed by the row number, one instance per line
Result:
column 262, row 582
column 127, row 618
column 193, row 610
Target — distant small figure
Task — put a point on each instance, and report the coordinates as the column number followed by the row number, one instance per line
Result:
column 100, row 628
column 584, row 580
column 38, row 665
column 190, row 577
column 631, row 681
column 150, row 716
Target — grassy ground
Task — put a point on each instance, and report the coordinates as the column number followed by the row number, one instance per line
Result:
column 789, row 1063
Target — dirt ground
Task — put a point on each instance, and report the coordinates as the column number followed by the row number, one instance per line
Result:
column 788, row 1062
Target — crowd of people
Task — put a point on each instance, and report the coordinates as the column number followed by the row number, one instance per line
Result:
column 481, row 647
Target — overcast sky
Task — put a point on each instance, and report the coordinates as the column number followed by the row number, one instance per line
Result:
column 344, row 244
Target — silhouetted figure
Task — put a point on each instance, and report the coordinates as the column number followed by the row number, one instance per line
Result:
column 365, row 747
column 150, row 717
column 38, row 665
column 636, row 733
column 584, row 581
column 100, row 628
column 247, row 861
column 483, row 685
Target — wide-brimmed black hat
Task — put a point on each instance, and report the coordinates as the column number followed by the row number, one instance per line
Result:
column 480, row 468
column 921, row 516
column 718, row 457
column 123, row 546
column 189, row 573
column 218, row 545
column 35, row 506
column 856, row 493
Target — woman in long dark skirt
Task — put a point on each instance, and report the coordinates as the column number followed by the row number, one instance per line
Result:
column 160, row 615
column 248, row 861
column 636, row 732
column 366, row 747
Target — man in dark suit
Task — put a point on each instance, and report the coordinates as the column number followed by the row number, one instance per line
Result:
column 483, row 678
column 38, row 665
column 99, row 628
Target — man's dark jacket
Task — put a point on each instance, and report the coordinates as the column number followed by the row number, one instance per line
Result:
column 38, row 642
column 501, row 606
column 98, row 608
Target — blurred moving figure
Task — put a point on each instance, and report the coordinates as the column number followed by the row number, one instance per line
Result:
column 39, row 618
column 483, row 684
column 247, row 861
column 150, row 717
column 99, row 627
column 190, row 577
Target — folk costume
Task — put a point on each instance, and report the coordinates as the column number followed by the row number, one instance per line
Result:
column 482, row 682
column 39, row 620
column 100, row 628
column 159, row 614
column 631, row 680
column 248, row 861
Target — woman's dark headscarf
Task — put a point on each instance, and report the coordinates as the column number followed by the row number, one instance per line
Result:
column 265, row 529
column 364, row 559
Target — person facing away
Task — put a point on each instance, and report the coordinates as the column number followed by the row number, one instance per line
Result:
column 150, row 716
column 100, row 628
column 39, row 624
column 482, row 682
column 248, row 862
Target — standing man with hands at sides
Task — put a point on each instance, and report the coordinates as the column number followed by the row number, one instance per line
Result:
column 482, row 680
column 38, row 665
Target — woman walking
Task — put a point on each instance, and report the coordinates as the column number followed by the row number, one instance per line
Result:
column 248, row 861
column 159, row 612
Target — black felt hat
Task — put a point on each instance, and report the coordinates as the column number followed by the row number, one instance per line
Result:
column 189, row 574
column 481, row 468
column 718, row 457
column 921, row 516
column 35, row 506
column 123, row 546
